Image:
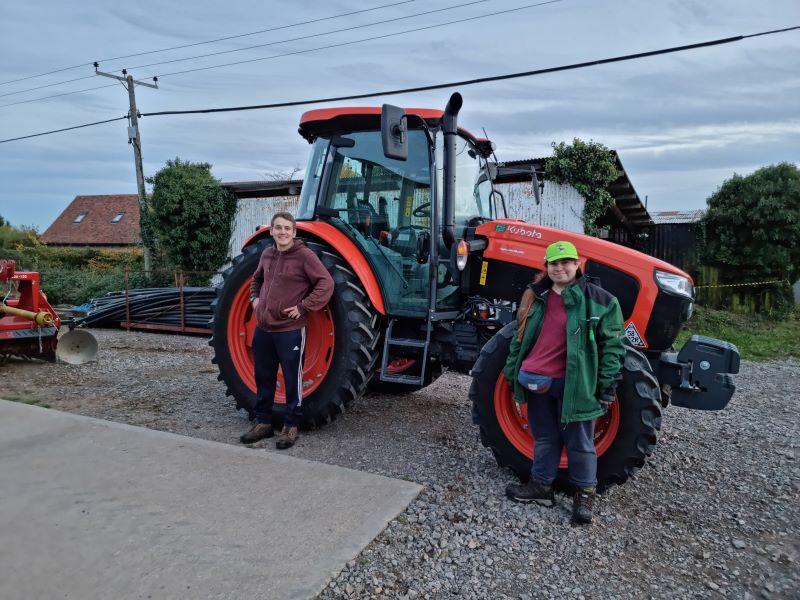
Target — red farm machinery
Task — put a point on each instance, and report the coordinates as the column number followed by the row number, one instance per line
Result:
column 400, row 207
column 29, row 326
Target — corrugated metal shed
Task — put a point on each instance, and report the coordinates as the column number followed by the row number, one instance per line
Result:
column 628, row 211
column 677, row 216
column 561, row 207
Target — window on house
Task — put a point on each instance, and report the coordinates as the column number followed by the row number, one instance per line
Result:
column 118, row 218
column 80, row 217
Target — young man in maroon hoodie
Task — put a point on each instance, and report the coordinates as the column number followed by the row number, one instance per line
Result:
column 289, row 282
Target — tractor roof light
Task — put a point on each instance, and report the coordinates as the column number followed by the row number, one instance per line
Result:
column 675, row 284
column 462, row 252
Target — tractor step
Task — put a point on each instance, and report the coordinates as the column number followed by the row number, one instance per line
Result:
column 408, row 342
column 420, row 348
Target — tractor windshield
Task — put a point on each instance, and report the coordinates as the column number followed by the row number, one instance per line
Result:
column 473, row 184
column 316, row 163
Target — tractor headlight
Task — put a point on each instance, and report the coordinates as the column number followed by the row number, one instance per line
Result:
column 462, row 252
column 674, row 284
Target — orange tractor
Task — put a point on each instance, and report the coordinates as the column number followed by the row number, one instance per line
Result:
column 399, row 206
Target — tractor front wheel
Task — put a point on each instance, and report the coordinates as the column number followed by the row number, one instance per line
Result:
column 341, row 340
column 624, row 437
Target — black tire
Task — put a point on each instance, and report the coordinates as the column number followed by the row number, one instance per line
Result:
column 355, row 337
column 640, row 418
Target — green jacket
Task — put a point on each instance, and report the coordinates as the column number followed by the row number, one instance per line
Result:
column 594, row 346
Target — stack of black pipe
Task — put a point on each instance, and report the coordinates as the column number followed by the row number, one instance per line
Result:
column 155, row 306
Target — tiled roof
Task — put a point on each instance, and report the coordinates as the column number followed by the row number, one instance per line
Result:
column 677, row 216
column 96, row 227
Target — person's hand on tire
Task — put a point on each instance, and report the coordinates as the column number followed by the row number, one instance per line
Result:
column 255, row 303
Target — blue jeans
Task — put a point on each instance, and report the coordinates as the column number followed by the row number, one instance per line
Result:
column 550, row 436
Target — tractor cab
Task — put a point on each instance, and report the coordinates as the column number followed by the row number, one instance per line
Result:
column 393, row 206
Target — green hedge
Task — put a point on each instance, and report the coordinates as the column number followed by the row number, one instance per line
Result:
column 64, row 285
column 76, row 275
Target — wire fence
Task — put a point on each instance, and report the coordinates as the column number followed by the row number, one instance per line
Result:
column 747, row 297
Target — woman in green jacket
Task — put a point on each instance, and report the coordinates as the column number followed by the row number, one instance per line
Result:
column 564, row 362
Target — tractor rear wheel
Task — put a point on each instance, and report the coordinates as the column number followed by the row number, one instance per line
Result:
column 624, row 437
column 341, row 339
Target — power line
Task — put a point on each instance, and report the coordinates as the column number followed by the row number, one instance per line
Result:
column 313, row 35
column 316, row 49
column 285, row 41
column 466, row 82
column 99, row 87
column 359, row 41
column 222, row 39
column 25, row 137
column 521, row 74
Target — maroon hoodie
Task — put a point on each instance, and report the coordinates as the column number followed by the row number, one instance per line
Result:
column 294, row 277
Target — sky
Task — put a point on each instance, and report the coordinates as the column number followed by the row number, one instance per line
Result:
column 681, row 123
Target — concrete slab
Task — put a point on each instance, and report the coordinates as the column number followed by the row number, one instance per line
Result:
column 94, row 509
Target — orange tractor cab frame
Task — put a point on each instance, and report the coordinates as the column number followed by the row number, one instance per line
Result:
column 400, row 207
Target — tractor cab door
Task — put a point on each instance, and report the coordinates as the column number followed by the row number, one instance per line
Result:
column 385, row 206
column 474, row 203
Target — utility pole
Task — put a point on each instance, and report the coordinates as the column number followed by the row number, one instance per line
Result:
column 135, row 139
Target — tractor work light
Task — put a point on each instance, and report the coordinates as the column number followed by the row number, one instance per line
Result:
column 462, row 252
column 674, row 284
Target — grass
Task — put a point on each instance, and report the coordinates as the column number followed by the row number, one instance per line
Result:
column 31, row 401
column 758, row 337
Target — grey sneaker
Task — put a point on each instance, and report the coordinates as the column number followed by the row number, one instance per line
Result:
column 532, row 491
column 582, row 504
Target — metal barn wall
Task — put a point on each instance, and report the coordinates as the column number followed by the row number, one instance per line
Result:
column 250, row 213
column 561, row 207
column 675, row 243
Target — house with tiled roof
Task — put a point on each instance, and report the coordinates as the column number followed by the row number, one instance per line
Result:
column 110, row 221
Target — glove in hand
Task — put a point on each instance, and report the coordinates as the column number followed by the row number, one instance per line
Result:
column 607, row 398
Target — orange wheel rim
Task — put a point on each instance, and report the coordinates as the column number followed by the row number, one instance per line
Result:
column 318, row 354
column 513, row 420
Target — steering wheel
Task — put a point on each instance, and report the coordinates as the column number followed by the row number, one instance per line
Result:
column 420, row 211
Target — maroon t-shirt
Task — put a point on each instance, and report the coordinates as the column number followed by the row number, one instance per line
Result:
column 549, row 353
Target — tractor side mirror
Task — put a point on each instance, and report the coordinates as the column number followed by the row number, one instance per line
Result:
column 394, row 132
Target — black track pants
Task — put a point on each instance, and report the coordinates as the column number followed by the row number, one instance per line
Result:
column 271, row 349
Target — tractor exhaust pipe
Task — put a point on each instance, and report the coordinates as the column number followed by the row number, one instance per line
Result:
column 450, row 132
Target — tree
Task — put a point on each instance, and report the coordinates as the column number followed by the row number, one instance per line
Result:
column 751, row 229
column 192, row 216
column 3, row 222
column 589, row 167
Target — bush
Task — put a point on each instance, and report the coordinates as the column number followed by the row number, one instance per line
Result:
column 751, row 230
column 192, row 216
column 64, row 285
column 589, row 167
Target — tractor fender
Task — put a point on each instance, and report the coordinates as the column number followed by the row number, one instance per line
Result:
column 346, row 249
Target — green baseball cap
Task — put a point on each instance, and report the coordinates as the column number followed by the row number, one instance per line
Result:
column 561, row 250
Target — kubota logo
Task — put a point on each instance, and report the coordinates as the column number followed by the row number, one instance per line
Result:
column 531, row 233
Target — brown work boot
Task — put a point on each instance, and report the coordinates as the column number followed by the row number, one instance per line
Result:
column 582, row 504
column 258, row 432
column 287, row 438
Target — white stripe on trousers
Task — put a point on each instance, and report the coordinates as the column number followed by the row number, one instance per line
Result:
column 300, row 368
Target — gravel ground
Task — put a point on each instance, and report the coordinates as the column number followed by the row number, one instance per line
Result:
column 715, row 513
